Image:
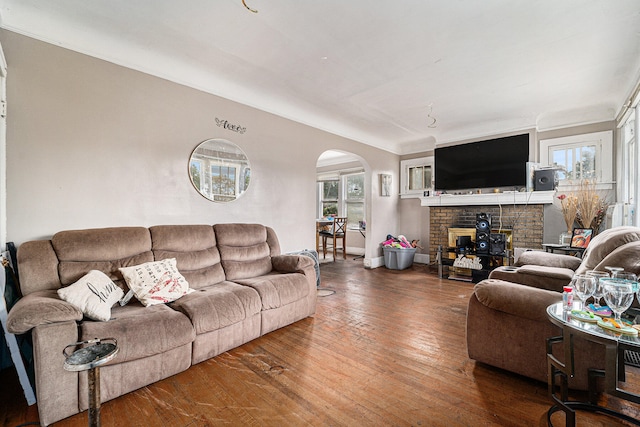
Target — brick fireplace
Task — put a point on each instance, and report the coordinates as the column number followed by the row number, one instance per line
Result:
column 524, row 221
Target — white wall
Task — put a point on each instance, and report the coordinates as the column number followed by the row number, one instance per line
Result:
column 93, row 144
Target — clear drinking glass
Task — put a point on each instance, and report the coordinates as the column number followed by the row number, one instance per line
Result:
column 625, row 275
column 584, row 286
column 618, row 293
column 597, row 294
column 613, row 270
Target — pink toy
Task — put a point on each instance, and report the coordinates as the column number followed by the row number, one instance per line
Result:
column 399, row 242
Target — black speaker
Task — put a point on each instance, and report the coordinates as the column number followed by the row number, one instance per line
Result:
column 483, row 222
column 497, row 244
column 544, row 179
column 483, row 232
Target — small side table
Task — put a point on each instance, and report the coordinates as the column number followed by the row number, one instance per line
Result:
column 96, row 353
column 567, row 250
column 614, row 372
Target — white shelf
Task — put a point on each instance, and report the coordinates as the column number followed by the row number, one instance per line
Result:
column 507, row 198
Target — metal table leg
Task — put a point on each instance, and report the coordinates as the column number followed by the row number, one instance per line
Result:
column 89, row 358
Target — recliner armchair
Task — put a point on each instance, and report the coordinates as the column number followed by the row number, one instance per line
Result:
column 507, row 324
column 614, row 247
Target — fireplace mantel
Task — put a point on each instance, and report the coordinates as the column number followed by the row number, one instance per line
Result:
column 488, row 199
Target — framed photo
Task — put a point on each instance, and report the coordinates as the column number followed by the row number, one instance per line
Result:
column 385, row 185
column 581, row 237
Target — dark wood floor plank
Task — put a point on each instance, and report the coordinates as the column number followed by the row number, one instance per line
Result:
column 388, row 348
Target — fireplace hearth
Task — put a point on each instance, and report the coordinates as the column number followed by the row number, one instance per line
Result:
column 523, row 222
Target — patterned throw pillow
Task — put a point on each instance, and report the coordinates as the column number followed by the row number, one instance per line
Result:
column 156, row 282
column 94, row 294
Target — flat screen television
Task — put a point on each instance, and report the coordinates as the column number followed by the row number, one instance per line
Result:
column 494, row 163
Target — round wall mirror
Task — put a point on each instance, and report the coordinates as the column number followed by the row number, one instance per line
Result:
column 219, row 170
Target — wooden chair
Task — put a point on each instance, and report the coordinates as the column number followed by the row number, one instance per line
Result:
column 337, row 231
column 322, row 225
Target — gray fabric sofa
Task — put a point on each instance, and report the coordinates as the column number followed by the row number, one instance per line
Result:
column 507, row 324
column 244, row 288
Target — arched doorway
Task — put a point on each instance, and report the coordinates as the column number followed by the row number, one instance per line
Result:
column 344, row 189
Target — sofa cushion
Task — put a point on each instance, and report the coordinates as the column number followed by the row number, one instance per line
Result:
column 39, row 308
column 94, row 294
column 194, row 247
column 104, row 249
column 626, row 256
column 141, row 331
column 544, row 271
column 278, row 289
column 38, row 266
column 244, row 250
column 550, row 278
column 548, row 259
column 216, row 306
column 156, row 282
column 605, row 243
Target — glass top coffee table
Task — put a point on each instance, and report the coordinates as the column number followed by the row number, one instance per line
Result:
column 615, row 346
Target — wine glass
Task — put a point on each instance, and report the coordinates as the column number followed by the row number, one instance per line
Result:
column 625, row 275
column 618, row 293
column 584, row 286
column 613, row 270
column 597, row 294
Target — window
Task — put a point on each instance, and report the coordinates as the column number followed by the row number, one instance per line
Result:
column 196, row 174
column 580, row 157
column 353, row 199
column 329, row 197
column 575, row 163
column 627, row 174
column 342, row 193
column 416, row 176
column 629, row 160
column 224, row 183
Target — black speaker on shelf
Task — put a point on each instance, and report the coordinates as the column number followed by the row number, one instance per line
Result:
column 544, row 179
column 483, row 233
column 497, row 244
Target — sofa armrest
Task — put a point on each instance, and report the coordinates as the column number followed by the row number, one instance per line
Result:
column 40, row 308
column 291, row 263
column 516, row 299
column 548, row 259
column 536, row 276
column 507, row 326
column 57, row 389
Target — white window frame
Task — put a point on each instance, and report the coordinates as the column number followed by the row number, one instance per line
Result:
column 341, row 177
column 629, row 162
column 346, row 201
column 320, row 200
column 603, row 142
column 405, row 166
column 628, row 190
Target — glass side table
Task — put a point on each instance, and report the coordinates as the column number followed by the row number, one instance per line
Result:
column 615, row 346
column 93, row 354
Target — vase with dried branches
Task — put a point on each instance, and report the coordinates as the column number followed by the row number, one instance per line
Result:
column 592, row 207
column 585, row 207
column 569, row 208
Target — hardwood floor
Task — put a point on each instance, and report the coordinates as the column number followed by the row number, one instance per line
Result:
column 388, row 348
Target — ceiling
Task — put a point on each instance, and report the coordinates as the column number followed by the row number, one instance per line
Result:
column 401, row 75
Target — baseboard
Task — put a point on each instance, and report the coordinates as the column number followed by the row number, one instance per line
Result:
column 355, row 251
column 374, row 262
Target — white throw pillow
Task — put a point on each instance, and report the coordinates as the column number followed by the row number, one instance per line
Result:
column 156, row 282
column 94, row 294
